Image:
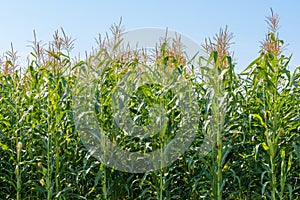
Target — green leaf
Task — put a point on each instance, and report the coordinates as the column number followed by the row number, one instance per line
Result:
column 257, row 116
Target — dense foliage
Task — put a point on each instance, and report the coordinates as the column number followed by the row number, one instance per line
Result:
column 256, row 154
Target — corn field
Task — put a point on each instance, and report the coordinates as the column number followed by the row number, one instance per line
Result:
column 257, row 150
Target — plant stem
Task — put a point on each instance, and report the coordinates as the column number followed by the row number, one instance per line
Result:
column 273, row 178
column 219, row 158
column 18, row 174
column 48, row 179
column 49, row 154
column 274, row 141
column 104, row 187
column 218, row 119
column 161, row 186
column 57, row 167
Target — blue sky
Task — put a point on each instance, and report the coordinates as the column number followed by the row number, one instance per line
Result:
column 84, row 20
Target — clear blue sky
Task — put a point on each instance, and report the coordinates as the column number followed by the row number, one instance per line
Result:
column 84, row 20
